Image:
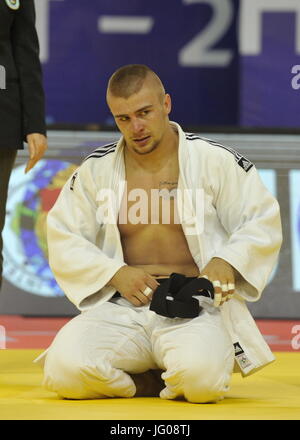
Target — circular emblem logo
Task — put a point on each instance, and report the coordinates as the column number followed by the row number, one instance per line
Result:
column 30, row 197
column 13, row 4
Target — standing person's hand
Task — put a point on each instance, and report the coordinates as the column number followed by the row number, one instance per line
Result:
column 134, row 284
column 37, row 145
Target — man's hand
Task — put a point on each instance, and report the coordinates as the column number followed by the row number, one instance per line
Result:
column 222, row 275
column 37, row 145
column 134, row 284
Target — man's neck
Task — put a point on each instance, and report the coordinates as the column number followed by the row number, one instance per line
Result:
column 157, row 159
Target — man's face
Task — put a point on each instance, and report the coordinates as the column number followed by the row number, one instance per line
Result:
column 142, row 118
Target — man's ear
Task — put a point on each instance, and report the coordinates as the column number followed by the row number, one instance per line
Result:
column 167, row 103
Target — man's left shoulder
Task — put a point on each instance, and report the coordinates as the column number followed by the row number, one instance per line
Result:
column 216, row 150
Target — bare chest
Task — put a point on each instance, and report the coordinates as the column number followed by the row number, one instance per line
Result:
column 149, row 200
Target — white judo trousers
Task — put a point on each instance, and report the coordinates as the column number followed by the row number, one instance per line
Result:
column 93, row 355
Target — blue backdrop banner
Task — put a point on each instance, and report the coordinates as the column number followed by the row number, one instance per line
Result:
column 191, row 44
column 224, row 62
column 269, row 46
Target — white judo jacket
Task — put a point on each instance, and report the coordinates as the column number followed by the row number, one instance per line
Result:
column 239, row 222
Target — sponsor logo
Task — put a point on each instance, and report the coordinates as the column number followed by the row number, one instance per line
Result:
column 241, row 357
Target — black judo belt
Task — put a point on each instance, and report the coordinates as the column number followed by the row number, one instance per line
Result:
column 174, row 297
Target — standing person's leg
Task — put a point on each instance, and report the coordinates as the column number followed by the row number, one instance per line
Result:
column 7, row 158
column 197, row 356
column 100, row 353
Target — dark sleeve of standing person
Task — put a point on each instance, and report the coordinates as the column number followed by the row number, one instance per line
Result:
column 25, row 47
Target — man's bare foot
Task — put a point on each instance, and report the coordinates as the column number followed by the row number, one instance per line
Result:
column 148, row 384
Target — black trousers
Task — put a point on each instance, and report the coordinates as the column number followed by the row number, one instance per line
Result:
column 7, row 159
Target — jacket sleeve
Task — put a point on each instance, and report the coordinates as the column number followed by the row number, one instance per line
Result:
column 25, row 48
column 74, row 239
column 251, row 217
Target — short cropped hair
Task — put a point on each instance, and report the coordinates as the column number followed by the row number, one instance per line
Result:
column 129, row 79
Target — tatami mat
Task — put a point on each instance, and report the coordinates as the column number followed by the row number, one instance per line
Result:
column 272, row 393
